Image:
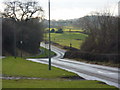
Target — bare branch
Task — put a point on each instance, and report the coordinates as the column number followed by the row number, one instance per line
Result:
column 22, row 11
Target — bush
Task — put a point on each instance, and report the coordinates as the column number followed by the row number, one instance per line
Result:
column 59, row 31
column 52, row 31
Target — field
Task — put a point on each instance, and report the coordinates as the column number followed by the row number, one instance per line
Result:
column 49, row 79
column 72, row 30
column 64, row 39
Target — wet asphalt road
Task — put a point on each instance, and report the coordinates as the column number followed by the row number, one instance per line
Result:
column 106, row 74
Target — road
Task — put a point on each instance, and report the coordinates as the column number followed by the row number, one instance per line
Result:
column 106, row 74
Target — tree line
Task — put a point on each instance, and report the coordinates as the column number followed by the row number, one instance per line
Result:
column 22, row 27
column 102, row 30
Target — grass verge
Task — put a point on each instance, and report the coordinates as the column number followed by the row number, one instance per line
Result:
column 53, row 84
column 23, row 68
column 111, row 64
column 44, row 53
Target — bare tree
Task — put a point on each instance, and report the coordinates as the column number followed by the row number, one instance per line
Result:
column 103, row 29
column 22, row 22
column 23, row 10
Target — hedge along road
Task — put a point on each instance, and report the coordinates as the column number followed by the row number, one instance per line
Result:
column 106, row 74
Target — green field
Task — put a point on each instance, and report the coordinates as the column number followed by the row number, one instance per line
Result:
column 51, row 79
column 72, row 30
column 66, row 38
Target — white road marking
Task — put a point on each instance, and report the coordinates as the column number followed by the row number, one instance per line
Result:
column 105, row 72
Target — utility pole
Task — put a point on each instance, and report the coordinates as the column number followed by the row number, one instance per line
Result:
column 119, row 9
column 21, row 42
column 15, row 50
column 70, row 39
column 49, row 38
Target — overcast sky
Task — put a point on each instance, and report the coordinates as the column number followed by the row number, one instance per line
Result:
column 69, row 9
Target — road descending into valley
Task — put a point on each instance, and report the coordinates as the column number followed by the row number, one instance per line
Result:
column 106, row 74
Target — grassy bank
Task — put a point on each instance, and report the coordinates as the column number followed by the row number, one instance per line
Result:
column 51, row 79
column 44, row 53
column 111, row 64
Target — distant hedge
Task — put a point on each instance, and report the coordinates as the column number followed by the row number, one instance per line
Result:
column 93, row 56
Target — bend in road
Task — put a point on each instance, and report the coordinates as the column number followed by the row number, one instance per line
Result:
column 106, row 74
